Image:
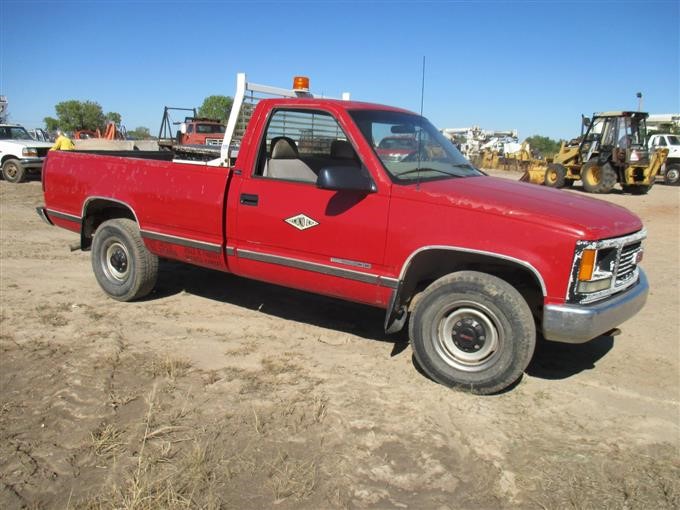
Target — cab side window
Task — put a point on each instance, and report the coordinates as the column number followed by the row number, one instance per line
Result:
column 298, row 143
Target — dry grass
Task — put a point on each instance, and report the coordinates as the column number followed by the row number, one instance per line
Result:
column 292, row 478
column 211, row 377
column 585, row 481
column 107, row 440
column 169, row 367
column 241, row 350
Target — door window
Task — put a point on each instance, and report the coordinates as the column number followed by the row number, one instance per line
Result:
column 298, row 143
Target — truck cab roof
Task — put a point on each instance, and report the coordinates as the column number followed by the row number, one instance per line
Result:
column 621, row 114
column 343, row 104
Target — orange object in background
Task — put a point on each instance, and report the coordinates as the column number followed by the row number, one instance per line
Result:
column 112, row 132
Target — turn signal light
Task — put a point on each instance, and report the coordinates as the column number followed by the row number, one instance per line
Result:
column 301, row 83
column 585, row 272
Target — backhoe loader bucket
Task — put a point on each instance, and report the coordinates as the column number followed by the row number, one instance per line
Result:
column 646, row 175
column 534, row 176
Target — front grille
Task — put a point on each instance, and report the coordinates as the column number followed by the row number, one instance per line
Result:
column 617, row 258
column 42, row 151
column 627, row 263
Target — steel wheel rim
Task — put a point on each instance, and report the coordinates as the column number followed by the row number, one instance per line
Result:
column 673, row 174
column 552, row 176
column 11, row 170
column 115, row 261
column 467, row 336
column 593, row 175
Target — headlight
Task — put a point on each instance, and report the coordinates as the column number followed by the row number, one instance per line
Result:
column 29, row 151
column 594, row 285
column 596, row 270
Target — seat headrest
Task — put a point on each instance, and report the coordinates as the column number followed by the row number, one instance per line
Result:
column 283, row 147
column 342, row 149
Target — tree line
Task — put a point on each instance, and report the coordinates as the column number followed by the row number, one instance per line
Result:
column 75, row 115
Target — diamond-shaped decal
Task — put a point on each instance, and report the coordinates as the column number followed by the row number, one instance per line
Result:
column 302, row 222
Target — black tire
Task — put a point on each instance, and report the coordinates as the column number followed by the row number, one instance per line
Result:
column 13, row 171
column 636, row 189
column 124, row 268
column 672, row 175
column 473, row 331
column 555, row 176
column 598, row 178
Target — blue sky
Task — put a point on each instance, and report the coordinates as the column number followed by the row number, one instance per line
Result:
column 534, row 66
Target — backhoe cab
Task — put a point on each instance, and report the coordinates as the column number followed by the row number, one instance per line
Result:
column 612, row 150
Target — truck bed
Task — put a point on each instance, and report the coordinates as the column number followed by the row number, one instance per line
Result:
column 179, row 207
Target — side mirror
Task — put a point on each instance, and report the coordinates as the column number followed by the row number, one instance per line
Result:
column 586, row 121
column 345, row 178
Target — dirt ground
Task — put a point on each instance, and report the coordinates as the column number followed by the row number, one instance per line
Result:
column 219, row 392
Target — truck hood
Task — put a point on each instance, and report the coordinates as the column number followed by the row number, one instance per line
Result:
column 26, row 143
column 583, row 217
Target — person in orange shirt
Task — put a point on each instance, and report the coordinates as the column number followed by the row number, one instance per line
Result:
column 62, row 143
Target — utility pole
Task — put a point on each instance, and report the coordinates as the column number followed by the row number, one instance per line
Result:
column 639, row 96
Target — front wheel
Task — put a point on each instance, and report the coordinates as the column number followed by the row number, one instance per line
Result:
column 473, row 331
column 598, row 178
column 637, row 189
column 672, row 175
column 13, row 171
column 124, row 268
column 555, row 175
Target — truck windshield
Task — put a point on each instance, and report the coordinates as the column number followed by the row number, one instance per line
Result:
column 410, row 148
column 207, row 129
column 14, row 133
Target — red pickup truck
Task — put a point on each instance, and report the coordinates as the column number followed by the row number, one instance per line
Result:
column 478, row 265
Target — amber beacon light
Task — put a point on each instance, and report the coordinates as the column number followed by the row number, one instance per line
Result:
column 301, row 83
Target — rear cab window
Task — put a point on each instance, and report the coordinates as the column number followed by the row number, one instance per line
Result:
column 298, row 143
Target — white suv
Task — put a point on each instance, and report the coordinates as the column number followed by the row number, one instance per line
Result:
column 19, row 153
column 671, row 168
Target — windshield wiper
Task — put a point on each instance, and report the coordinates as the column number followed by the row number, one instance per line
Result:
column 427, row 169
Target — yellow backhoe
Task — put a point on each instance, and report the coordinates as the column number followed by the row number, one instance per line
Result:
column 611, row 151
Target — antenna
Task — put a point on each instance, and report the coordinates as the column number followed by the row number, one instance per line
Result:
column 422, row 89
column 420, row 133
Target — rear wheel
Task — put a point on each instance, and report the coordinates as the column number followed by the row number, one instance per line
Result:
column 473, row 331
column 13, row 171
column 555, row 175
column 124, row 268
column 672, row 175
column 637, row 189
column 598, row 178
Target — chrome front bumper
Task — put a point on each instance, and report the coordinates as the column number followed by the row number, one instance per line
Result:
column 577, row 324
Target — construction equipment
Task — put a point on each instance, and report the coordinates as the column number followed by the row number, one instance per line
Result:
column 3, row 109
column 611, row 151
column 194, row 130
column 112, row 132
column 472, row 141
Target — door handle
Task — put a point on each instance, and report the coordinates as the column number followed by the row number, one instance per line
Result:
column 247, row 199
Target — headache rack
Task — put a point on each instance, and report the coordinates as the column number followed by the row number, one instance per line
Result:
column 245, row 100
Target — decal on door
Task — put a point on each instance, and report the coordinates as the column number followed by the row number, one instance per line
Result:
column 302, row 222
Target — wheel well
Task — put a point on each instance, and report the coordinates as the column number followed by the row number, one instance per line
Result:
column 430, row 265
column 7, row 157
column 97, row 212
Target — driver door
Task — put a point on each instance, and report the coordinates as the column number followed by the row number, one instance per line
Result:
column 288, row 228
